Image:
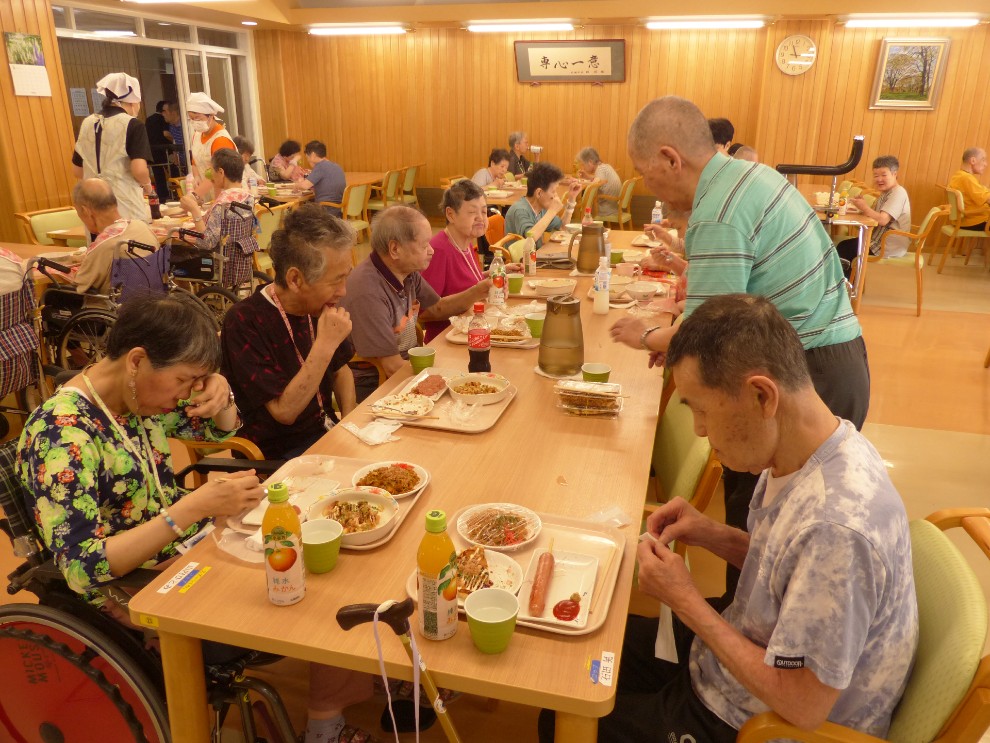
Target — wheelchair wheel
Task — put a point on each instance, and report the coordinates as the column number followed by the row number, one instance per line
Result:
column 219, row 300
column 66, row 681
column 84, row 339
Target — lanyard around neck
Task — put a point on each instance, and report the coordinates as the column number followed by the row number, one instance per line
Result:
column 292, row 337
column 466, row 256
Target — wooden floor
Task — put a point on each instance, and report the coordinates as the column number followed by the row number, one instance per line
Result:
column 929, row 418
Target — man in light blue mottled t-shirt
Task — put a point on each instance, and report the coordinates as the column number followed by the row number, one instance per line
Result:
column 824, row 624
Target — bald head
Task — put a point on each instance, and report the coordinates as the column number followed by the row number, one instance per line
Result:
column 671, row 122
column 94, row 194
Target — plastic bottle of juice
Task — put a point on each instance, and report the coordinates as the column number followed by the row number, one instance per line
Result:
column 282, row 536
column 843, row 201
column 529, row 254
column 602, row 279
column 437, row 565
column 499, row 289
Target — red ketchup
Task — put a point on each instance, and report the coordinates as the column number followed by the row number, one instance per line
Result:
column 567, row 610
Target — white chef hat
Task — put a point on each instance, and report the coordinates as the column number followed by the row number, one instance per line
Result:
column 119, row 86
column 201, row 103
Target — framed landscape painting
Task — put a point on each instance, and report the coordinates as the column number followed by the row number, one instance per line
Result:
column 910, row 74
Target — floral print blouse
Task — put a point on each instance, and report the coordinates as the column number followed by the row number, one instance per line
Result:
column 85, row 485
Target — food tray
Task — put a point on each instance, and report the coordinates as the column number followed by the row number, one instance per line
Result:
column 606, row 543
column 342, row 469
column 484, row 419
column 461, row 339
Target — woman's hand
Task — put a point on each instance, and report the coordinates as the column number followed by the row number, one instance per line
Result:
column 628, row 330
column 575, row 188
column 229, row 495
column 189, row 203
column 662, row 259
column 514, row 268
column 213, row 397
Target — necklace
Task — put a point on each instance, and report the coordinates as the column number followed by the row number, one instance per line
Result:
column 466, row 256
column 145, row 459
column 327, row 422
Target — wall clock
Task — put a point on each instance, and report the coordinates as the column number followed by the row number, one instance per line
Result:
column 796, row 54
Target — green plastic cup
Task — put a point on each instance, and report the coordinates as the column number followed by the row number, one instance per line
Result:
column 515, row 283
column 534, row 322
column 596, row 372
column 616, row 257
column 321, row 544
column 421, row 357
column 491, row 616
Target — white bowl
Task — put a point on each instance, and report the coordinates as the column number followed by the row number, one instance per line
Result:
column 494, row 380
column 617, row 285
column 641, row 290
column 553, row 287
column 421, row 473
column 374, row 496
column 573, row 227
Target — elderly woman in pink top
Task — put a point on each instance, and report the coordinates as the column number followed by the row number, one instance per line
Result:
column 454, row 266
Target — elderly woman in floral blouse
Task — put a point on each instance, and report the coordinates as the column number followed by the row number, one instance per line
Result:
column 95, row 461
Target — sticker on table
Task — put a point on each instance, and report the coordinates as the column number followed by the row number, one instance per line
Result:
column 185, row 576
column 602, row 671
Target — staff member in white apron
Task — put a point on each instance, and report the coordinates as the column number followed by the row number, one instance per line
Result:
column 113, row 146
column 209, row 135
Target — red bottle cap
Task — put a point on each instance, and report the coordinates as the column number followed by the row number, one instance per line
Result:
column 479, row 308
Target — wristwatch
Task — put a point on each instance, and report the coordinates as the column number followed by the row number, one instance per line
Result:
column 645, row 334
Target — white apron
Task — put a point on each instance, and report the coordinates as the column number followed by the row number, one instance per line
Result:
column 202, row 151
column 114, row 164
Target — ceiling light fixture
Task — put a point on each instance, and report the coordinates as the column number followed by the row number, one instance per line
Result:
column 345, row 29
column 249, row 23
column 910, row 21
column 508, row 27
column 685, row 23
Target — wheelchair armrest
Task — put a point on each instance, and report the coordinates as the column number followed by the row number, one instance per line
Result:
column 213, row 464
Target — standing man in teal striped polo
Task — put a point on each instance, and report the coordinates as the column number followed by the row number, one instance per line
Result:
column 749, row 232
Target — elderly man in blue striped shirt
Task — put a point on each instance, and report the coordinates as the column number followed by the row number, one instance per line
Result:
column 749, row 232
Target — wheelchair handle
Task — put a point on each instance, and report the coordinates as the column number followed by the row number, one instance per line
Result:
column 133, row 245
column 241, row 206
column 183, row 232
column 395, row 616
column 45, row 263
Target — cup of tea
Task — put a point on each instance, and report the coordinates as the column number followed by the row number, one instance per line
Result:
column 616, row 257
column 628, row 269
column 491, row 616
column 515, row 282
column 421, row 357
column 321, row 544
column 534, row 321
column 595, row 372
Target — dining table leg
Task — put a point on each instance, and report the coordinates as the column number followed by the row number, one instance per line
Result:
column 571, row 728
column 185, row 688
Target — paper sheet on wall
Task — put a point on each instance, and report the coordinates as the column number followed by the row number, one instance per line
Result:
column 97, row 98
column 80, row 103
column 27, row 65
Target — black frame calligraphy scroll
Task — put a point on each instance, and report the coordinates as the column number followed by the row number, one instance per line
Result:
column 586, row 61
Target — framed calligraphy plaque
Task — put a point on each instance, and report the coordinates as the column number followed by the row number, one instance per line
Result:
column 587, row 61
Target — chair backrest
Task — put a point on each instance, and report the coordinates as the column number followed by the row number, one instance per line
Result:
column 925, row 228
column 870, row 199
column 39, row 223
column 390, row 186
column 450, row 180
column 626, row 194
column 269, row 220
column 952, row 616
column 508, row 247
column 679, row 456
column 409, row 181
column 844, row 186
column 355, row 201
column 956, row 207
column 496, row 228
column 590, row 199
column 855, row 191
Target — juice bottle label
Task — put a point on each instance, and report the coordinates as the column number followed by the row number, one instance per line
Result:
column 438, row 602
column 284, row 567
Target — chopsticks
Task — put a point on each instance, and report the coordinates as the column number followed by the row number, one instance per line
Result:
column 596, row 600
column 410, row 416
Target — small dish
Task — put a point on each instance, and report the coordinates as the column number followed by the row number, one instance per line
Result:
column 411, row 384
column 377, row 498
column 486, row 378
column 573, row 575
column 424, row 476
column 553, row 287
column 504, row 527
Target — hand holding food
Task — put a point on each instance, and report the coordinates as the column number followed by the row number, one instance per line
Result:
column 664, row 259
column 541, row 584
column 333, row 327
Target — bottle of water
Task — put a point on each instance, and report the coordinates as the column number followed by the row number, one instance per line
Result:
column 529, row 254
column 252, row 180
column 190, row 184
column 602, row 279
column 496, row 295
column 657, row 216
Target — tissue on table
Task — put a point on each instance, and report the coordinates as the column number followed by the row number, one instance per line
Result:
column 379, row 431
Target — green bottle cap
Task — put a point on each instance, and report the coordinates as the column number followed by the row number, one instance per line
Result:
column 278, row 492
column 436, row 522
column 529, row 233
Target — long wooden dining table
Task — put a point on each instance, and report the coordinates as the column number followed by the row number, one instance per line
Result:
column 535, row 456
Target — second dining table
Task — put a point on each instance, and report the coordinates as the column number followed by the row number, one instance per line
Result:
column 563, row 467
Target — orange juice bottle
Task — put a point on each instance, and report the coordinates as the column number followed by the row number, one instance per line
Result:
column 282, row 536
column 437, row 565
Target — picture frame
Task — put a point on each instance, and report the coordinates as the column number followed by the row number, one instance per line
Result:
column 910, row 74
column 585, row 61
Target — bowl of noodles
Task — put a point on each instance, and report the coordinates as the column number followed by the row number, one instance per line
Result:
column 504, row 527
column 400, row 479
column 367, row 514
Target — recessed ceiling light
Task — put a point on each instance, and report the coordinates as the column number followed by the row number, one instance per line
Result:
column 482, row 27
column 249, row 23
column 708, row 22
column 910, row 21
column 346, row 29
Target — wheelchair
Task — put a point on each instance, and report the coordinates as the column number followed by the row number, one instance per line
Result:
column 71, row 673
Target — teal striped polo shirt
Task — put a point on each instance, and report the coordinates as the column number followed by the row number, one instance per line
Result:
column 752, row 232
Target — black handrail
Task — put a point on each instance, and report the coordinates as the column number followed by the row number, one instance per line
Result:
column 830, row 170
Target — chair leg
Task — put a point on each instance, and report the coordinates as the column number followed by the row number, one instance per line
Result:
column 920, row 280
column 945, row 253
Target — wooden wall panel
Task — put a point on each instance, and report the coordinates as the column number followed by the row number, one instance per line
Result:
column 84, row 62
column 446, row 97
column 35, row 133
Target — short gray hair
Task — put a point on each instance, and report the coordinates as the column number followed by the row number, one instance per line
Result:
column 672, row 122
column 589, row 155
column 971, row 152
column 394, row 223
column 302, row 242
column 516, row 137
column 95, row 194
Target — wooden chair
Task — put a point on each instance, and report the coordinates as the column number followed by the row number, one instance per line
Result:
column 39, row 223
column 954, row 228
column 382, row 376
column 588, row 199
column 913, row 258
column 269, row 220
column 389, row 192
column 623, row 203
column 198, row 450
column 496, row 228
column 354, row 208
column 409, row 194
column 179, row 185
column 948, row 693
column 501, row 247
column 448, row 180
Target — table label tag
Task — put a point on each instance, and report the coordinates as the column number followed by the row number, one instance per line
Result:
column 607, row 669
column 190, row 580
column 147, row 621
column 176, row 579
column 595, row 665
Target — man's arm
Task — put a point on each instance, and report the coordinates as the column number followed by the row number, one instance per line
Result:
column 455, row 304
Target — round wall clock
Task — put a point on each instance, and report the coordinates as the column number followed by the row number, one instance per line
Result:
column 796, row 54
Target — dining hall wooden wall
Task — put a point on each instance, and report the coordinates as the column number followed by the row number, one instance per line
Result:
column 35, row 133
column 446, row 97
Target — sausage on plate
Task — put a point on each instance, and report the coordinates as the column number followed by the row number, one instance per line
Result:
column 541, row 584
